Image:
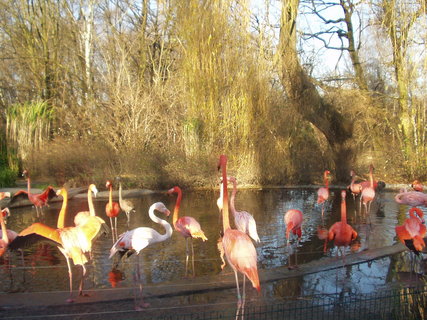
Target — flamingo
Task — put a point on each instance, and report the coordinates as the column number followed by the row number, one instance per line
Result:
column 126, row 205
column 188, row 227
column 243, row 220
column 4, row 194
column 413, row 231
column 137, row 239
column 112, row 209
column 6, row 236
column 39, row 200
column 411, row 198
column 368, row 192
column 69, row 240
column 355, row 188
column 91, row 223
column 293, row 220
column 341, row 232
column 238, row 248
column 416, row 185
column 323, row 192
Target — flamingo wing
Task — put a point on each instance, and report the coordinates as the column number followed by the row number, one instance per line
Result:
column 48, row 194
column 18, row 197
column 189, row 227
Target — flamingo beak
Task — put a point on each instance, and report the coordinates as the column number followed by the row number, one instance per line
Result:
column 167, row 213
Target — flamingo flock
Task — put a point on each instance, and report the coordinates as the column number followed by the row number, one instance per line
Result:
column 237, row 245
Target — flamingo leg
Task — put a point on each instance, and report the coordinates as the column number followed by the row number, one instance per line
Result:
column 296, row 254
column 115, row 227
column 81, row 283
column 192, row 257
column 112, row 229
column 239, row 297
column 141, row 305
column 244, row 296
column 70, row 276
column 187, row 256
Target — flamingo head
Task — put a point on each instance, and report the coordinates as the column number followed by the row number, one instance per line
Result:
column 352, row 173
column 231, row 179
column 93, row 188
column 5, row 213
column 222, row 161
column 343, row 194
column 371, row 167
column 175, row 189
column 418, row 212
column 108, row 184
column 417, row 186
column 25, row 173
column 159, row 206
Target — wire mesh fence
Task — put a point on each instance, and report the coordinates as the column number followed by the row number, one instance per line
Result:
column 403, row 303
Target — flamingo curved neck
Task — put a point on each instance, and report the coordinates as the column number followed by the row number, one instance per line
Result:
column 90, row 202
column 28, row 185
column 225, row 217
column 325, row 180
column 61, row 216
column 233, row 197
column 5, row 238
column 110, row 197
column 177, row 206
column 120, row 193
column 343, row 211
column 164, row 223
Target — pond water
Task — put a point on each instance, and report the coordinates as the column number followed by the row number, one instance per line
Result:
column 45, row 267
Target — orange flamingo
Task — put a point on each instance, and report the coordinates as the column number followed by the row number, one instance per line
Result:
column 39, row 200
column 112, row 209
column 67, row 239
column 413, row 231
column 188, row 227
column 238, row 248
column 323, row 192
column 417, row 186
column 341, row 232
column 293, row 220
column 368, row 192
column 135, row 240
column 411, row 198
column 243, row 220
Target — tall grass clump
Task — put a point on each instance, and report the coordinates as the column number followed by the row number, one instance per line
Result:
column 28, row 126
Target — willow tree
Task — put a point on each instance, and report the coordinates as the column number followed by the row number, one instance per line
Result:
column 304, row 97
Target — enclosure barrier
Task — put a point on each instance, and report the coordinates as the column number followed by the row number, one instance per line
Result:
column 404, row 303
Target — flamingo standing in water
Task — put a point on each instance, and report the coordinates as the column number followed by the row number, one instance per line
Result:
column 341, row 232
column 39, row 200
column 293, row 220
column 355, row 188
column 417, row 186
column 126, row 205
column 368, row 192
column 238, row 248
column 91, row 222
column 411, row 198
column 6, row 236
column 323, row 192
column 69, row 240
column 243, row 220
column 137, row 239
column 112, row 209
column 188, row 227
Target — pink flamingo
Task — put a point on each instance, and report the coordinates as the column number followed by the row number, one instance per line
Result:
column 188, row 227
column 341, row 232
column 6, row 236
column 243, row 220
column 39, row 200
column 368, row 192
column 367, row 184
column 411, row 198
column 133, row 241
column 323, row 192
column 355, row 188
column 293, row 220
column 417, row 186
column 413, row 231
column 238, row 248
column 112, row 209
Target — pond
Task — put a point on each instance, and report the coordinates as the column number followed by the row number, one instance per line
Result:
column 45, row 267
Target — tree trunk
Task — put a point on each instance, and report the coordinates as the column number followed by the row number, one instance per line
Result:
column 304, row 97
